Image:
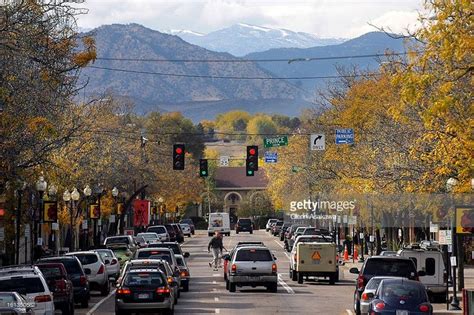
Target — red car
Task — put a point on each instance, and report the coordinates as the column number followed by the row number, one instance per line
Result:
column 60, row 285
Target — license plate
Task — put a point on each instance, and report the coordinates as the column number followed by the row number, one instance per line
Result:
column 400, row 312
column 254, row 278
column 143, row 296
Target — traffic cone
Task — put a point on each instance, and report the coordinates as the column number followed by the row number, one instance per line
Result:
column 356, row 253
column 346, row 253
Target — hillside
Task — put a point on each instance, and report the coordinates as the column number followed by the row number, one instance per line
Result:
column 370, row 43
column 148, row 91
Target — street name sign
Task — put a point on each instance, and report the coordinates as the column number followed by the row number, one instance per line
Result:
column 275, row 142
column 344, row 136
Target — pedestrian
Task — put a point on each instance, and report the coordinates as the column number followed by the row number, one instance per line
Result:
column 217, row 246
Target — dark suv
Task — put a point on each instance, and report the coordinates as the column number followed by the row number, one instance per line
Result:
column 244, row 225
column 76, row 274
column 392, row 266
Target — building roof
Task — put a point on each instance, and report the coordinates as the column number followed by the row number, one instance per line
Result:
column 235, row 178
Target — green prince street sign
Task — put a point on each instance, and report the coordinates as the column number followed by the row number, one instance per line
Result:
column 275, row 142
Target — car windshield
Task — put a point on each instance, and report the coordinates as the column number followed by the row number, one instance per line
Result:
column 71, row 265
column 87, row 259
column 50, row 272
column 6, row 299
column 188, row 221
column 117, row 240
column 389, row 267
column 144, row 279
column 253, row 255
column 22, row 285
column 157, row 229
column 401, row 290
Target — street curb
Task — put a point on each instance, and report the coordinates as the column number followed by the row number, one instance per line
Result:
column 447, row 312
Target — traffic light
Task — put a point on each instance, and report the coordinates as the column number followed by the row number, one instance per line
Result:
column 203, row 169
column 251, row 163
column 178, row 157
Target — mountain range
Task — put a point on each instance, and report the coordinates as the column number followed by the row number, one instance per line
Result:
column 242, row 39
column 156, row 71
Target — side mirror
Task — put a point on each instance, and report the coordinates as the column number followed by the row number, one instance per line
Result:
column 354, row 270
column 421, row 273
column 185, row 254
column 87, row 271
column 107, row 262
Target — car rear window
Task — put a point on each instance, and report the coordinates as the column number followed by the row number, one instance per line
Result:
column 148, row 253
column 71, row 265
column 157, row 229
column 253, row 255
column 117, row 240
column 87, row 259
column 144, row 279
column 389, row 267
column 373, row 284
column 50, row 272
column 401, row 291
column 22, row 285
column 244, row 221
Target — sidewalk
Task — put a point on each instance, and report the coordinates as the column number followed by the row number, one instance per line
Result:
column 439, row 308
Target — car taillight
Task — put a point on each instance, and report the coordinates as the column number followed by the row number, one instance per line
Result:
column 184, row 274
column 424, row 308
column 101, row 270
column 380, row 305
column 360, row 281
column 170, row 280
column 60, row 285
column 43, row 298
column 83, row 280
column 163, row 291
column 124, row 291
column 364, row 297
column 233, row 268
column 274, row 268
column 113, row 262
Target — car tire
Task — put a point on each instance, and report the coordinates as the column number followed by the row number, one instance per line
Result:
column 175, row 301
column 273, row 288
column 189, row 235
column 227, row 285
column 294, row 276
column 168, row 311
column 121, row 312
column 186, row 287
column 300, row 277
column 332, row 279
column 225, row 276
column 236, row 232
column 105, row 290
column 85, row 303
column 209, row 234
column 356, row 305
column 251, row 232
column 232, row 287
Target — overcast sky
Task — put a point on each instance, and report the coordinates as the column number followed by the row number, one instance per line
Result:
column 326, row 18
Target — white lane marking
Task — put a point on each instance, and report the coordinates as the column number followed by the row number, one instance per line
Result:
column 98, row 304
column 214, row 289
column 214, row 282
column 216, row 275
column 349, row 312
column 279, row 244
column 218, row 311
column 216, row 299
column 285, row 286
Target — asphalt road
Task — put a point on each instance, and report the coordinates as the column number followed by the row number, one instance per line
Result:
column 207, row 293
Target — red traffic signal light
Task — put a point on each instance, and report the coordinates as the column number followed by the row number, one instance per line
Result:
column 178, row 157
column 251, row 163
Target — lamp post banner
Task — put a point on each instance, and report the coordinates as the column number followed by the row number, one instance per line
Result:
column 94, row 211
column 50, row 211
column 465, row 220
column 141, row 212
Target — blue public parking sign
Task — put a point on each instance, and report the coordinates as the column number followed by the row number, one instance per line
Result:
column 271, row 157
column 344, row 136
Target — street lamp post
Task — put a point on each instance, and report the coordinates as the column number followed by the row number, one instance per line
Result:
column 87, row 193
column 115, row 193
column 41, row 186
column 74, row 199
column 52, row 191
column 21, row 188
column 67, row 199
column 450, row 184
column 99, row 191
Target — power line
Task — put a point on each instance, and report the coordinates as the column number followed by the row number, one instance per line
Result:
column 234, row 77
column 289, row 60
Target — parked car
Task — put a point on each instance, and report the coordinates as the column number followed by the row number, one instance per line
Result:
column 269, row 224
column 98, row 278
column 14, row 303
column 143, row 290
column 183, row 272
column 76, row 274
column 60, row 285
column 111, row 261
column 162, row 265
column 431, row 262
column 190, row 223
column 401, row 297
column 369, row 293
column 382, row 266
column 29, row 282
column 186, row 229
column 244, row 225
column 252, row 266
column 161, row 231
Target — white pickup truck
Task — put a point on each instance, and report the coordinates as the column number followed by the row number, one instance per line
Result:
column 314, row 259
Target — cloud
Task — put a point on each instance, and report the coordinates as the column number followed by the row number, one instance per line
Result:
column 398, row 22
column 327, row 18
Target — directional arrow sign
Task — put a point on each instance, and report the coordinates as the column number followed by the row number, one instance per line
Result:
column 344, row 136
column 318, row 142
